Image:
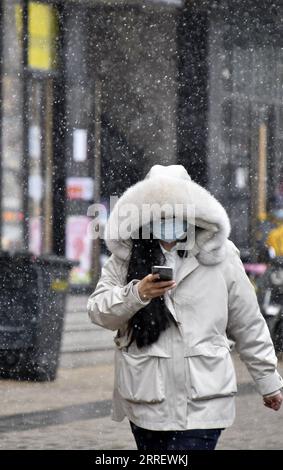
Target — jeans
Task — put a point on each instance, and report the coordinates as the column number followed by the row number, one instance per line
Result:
column 191, row 439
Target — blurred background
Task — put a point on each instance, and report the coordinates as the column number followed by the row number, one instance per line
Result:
column 95, row 92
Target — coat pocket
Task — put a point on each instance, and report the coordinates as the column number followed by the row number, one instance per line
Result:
column 139, row 376
column 211, row 371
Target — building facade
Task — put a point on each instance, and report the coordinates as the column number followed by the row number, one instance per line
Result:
column 97, row 91
column 233, row 113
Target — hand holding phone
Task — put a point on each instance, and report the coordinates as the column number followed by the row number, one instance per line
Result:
column 153, row 285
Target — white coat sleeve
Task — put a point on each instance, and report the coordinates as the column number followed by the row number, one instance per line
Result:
column 247, row 327
column 112, row 304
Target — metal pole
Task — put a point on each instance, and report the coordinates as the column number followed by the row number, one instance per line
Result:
column 59, row 139
column 1, row 117
column 97, row 175
column 25, row 159
column 48, row 157
column 262, row 159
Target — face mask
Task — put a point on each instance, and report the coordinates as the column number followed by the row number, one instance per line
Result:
column 278, row 213
column 169, row 230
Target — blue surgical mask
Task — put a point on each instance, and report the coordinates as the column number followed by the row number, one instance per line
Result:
column 169, row 230
column 278, row 213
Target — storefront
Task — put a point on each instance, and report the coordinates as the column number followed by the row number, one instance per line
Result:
column 29, row 88
column 96, row 91
column 230, row 111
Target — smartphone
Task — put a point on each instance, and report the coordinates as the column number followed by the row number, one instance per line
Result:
column 165, row 272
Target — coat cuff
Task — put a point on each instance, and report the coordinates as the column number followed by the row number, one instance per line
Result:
column 269, row 384
column 273, row 394
column 135, row 293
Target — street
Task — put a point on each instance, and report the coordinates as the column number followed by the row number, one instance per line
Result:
column 73, row 412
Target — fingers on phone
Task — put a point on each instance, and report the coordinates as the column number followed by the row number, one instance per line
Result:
column 162, row 290
column 162, row 284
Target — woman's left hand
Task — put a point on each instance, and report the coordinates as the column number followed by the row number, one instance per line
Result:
column 274, row 402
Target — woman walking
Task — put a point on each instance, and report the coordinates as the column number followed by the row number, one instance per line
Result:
column 174, row 375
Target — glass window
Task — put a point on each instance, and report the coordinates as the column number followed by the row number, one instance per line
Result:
column 12, row 141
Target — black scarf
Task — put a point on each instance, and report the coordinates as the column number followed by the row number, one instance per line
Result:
column 147, row 324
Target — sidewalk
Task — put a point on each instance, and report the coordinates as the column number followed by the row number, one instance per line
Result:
column 73, row 412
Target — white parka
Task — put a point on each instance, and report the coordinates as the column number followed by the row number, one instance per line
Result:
column 186, row 380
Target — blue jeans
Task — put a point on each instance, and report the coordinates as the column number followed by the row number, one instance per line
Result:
column 191, row 439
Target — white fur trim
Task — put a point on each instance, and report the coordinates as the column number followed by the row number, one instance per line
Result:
column 171, row 185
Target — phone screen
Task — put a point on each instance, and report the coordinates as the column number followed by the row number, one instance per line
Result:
column 165, row 272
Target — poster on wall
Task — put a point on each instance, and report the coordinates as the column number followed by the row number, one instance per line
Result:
column 78, row 248
column 80, row 145
column 80, row 188
column 35, row 235
column 34, row 139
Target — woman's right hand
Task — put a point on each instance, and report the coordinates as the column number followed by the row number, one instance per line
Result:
column 149, row 287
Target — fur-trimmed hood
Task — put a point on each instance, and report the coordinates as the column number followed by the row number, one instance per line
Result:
column 170, row 185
